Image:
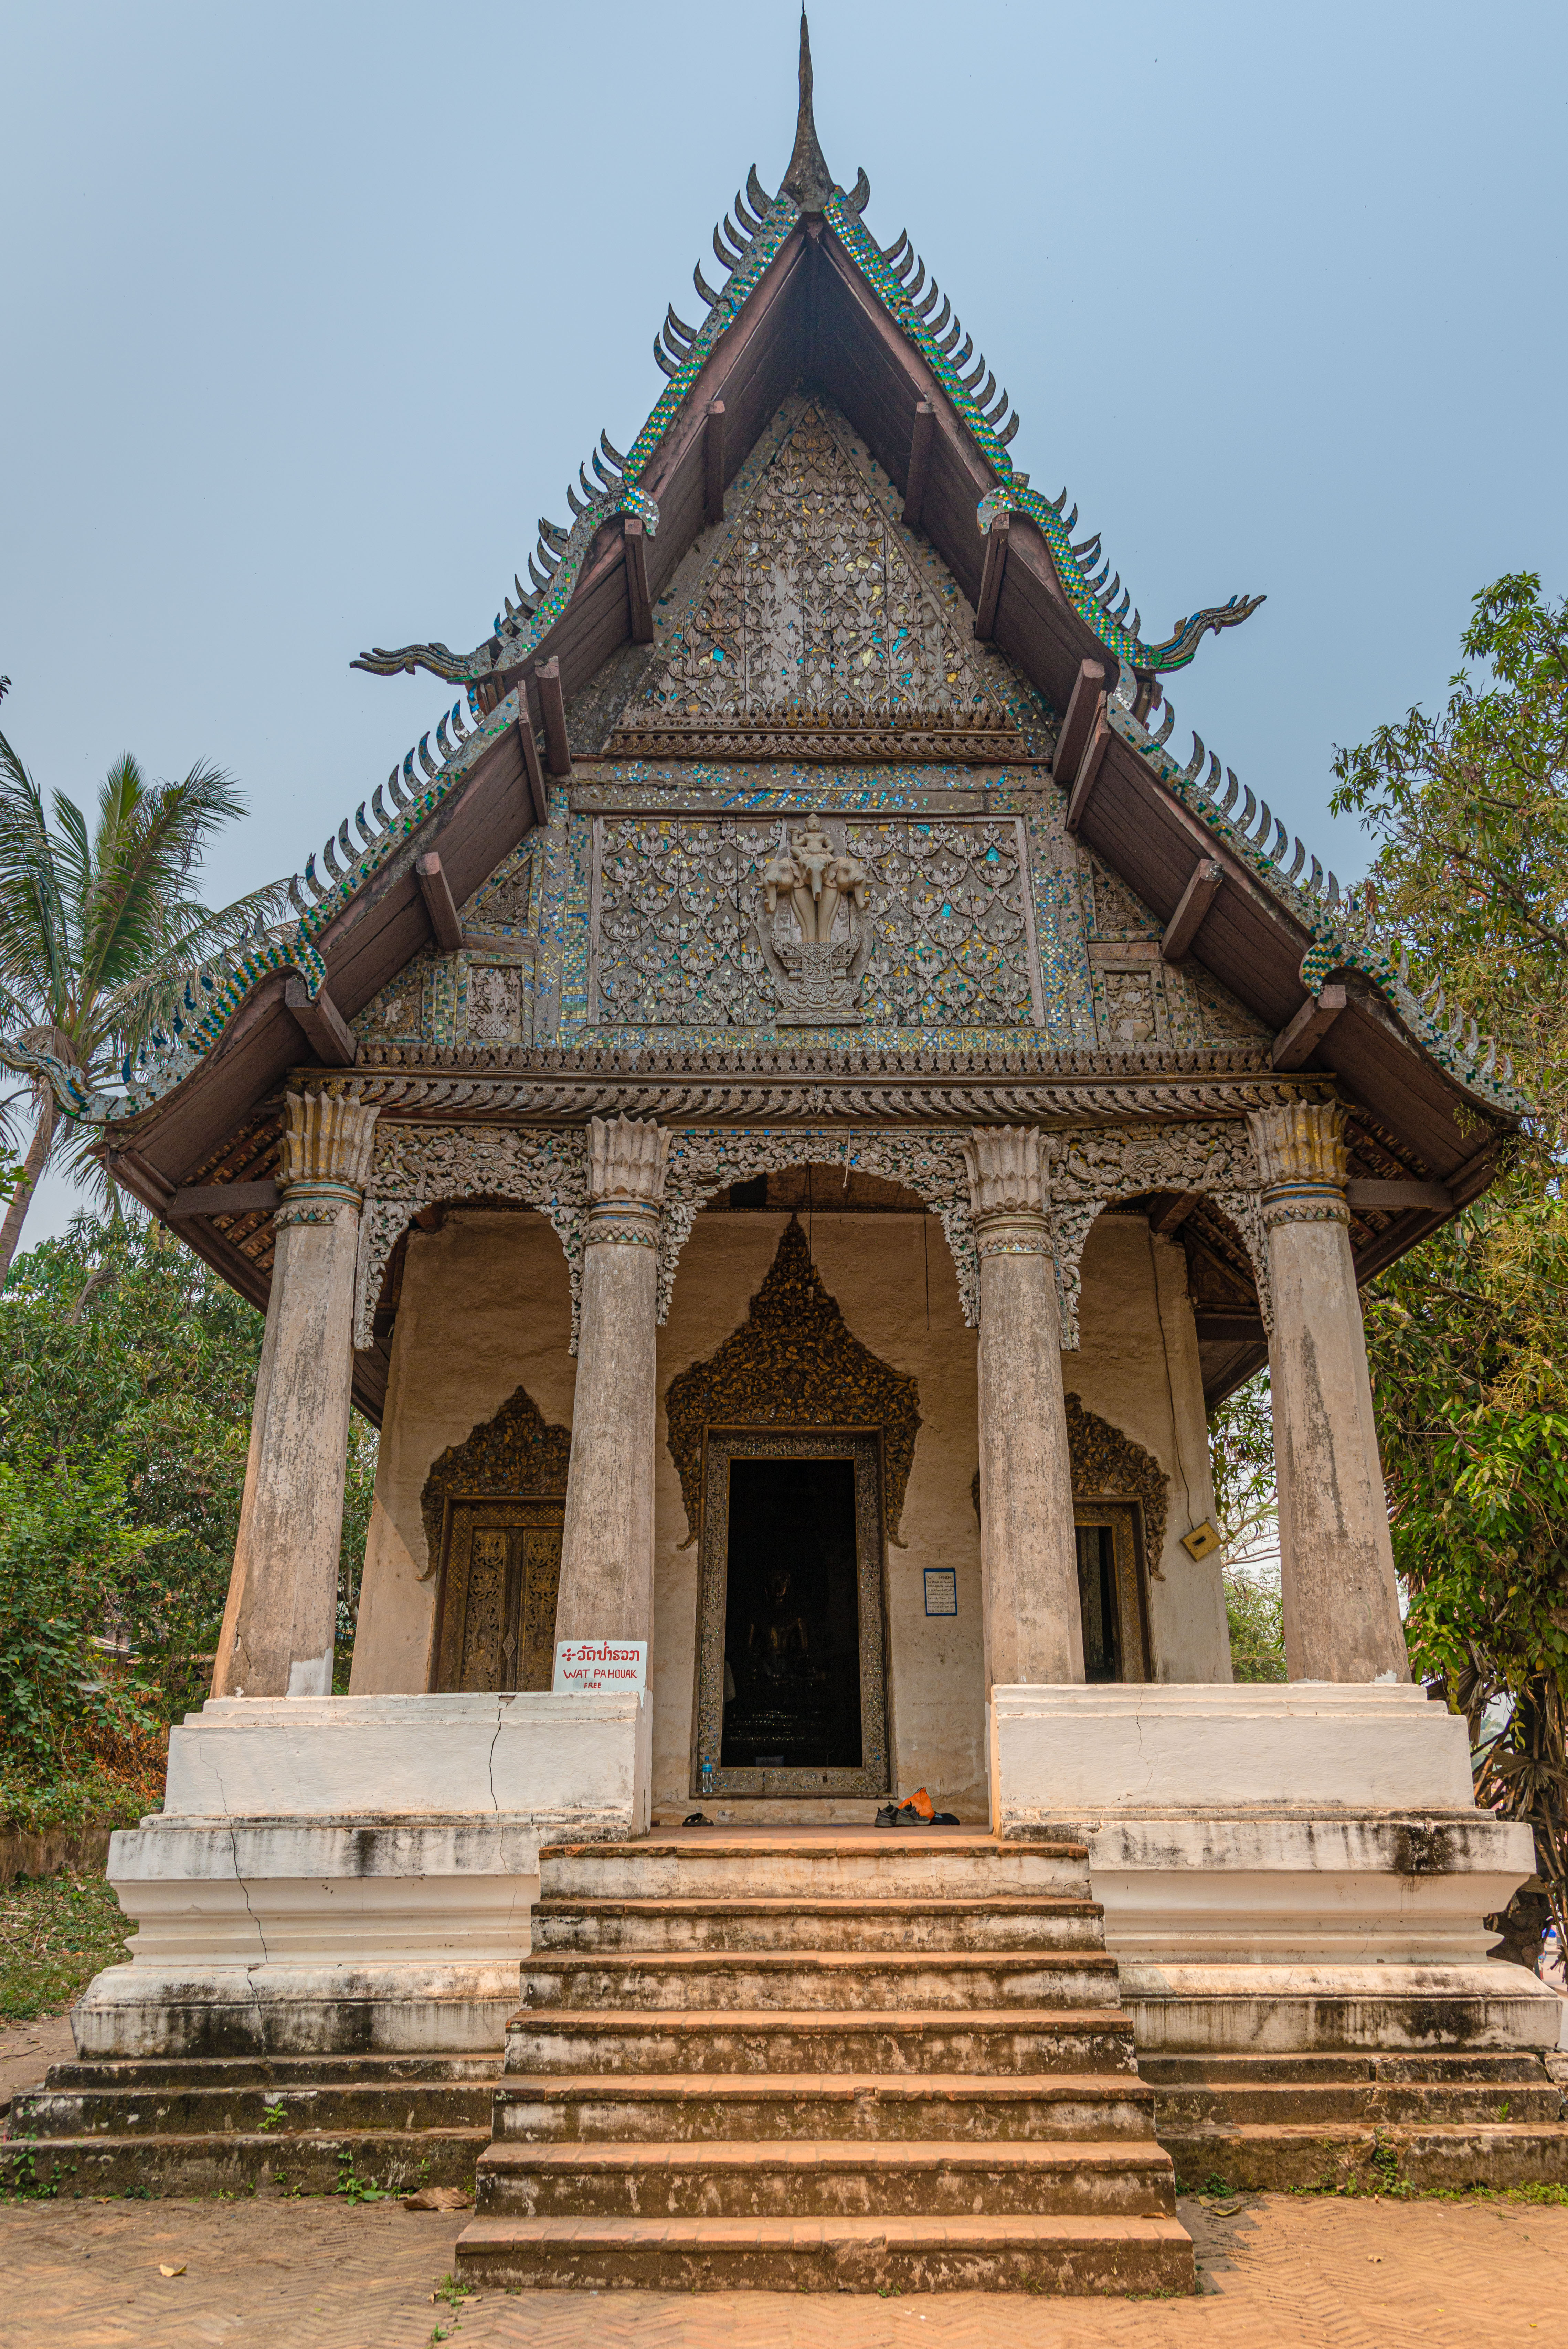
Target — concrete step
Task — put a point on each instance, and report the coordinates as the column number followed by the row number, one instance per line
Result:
column 827, row 1978
column 1327, row 2156
column 170, row 2072
column 199, row 2110
column 1373, row 2103
column 877, row 2255
column 715, row 2108
column 395, row 2160
column 827, row 2179
column 936, row 1863
column 906, row 2042
column 1054, row 1921
column 1342, row 2064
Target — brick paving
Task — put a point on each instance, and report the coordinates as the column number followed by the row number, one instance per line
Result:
column 1287, row 2272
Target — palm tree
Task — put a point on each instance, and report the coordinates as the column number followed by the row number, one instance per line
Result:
column 100, row 930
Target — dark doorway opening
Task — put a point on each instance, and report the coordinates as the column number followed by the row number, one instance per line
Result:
column 1098, row 1603
column 792, row 1618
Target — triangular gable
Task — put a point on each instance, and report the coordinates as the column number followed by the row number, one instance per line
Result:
column 815, row 602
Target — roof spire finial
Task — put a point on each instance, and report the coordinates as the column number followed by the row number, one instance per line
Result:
column 808, row 179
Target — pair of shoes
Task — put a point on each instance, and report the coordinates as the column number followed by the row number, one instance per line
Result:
column 696, row 1819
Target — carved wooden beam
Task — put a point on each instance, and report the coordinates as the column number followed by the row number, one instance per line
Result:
column 1088, row 772
column 639, row 603
column 1193, row 904
column 920, row 439
column 1174, row 1214
column 1392, row 1195
column 991, row 577
column 558, row 751
column 1083, row 706
column 1299, row 1040
column 439, row 903
column 532, row 766
column 325, row 1030
column 1469, row 1180
column 223, row 1199
column 713, row 463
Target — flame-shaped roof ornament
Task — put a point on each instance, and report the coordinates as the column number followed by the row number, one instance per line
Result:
column 808, row 179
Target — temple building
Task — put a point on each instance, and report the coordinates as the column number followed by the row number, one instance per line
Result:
column 788, row 1108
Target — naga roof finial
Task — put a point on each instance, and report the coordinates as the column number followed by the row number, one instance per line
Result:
column 808, row 179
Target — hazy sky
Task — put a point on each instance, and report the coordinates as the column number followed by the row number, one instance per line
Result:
column 312, row 310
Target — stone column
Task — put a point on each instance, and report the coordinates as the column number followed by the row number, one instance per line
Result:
column 281, row 1620
column 606, row 1547
column 1336, row 1561
column 1028, row 1553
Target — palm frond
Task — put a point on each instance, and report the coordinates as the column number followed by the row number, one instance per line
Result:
column 145, row 854
column 36, row 957
column 148, row 1001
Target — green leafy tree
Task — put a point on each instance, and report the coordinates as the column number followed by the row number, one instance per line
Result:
column 65, row 1538
column 1468, row 1334
column 1241, row 1448
column 118, row 1343
column 101, row 929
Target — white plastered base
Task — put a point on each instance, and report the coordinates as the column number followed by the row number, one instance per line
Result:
column 1282, row 1869
column 354, row 1874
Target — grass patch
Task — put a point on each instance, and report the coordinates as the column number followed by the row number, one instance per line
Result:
column 1546, row 2191
column 94, row 1796
column 56, row 1934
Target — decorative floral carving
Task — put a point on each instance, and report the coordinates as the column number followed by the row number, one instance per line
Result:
column 821, row 601
column 686, row 934
column 930, row 1165
column 494, row 1002
column 326, row 1138
column 792, row 1363
column 1108, row 1466
column 1300, row 1144
column 1088, row 1167
column 1002, row 1163
column 516, row 1455
column 1083, row 1169
column 416, row 1166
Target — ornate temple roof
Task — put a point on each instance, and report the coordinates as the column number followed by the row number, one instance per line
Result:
column 992, row 639
column 752, row 246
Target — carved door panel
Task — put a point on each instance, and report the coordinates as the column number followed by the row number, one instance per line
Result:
column 501, row 1570
column 1111, row 1594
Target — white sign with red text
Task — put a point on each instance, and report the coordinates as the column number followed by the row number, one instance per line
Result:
column 582, row 1666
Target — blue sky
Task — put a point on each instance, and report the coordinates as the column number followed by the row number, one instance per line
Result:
column 311, row 311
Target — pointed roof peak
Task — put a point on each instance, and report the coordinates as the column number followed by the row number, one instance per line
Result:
column 808, row 179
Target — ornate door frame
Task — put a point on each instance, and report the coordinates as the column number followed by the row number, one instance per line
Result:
column 1125, row 1519
column 525, row 1616
column 719, row 1446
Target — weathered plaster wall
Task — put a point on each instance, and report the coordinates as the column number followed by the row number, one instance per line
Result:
column 875, row 1266
column 485, row 1308
column 1136, row 1365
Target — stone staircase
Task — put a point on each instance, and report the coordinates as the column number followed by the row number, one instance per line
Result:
column 817, row 2063
column 226, row 2123
column 1432, row 2121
